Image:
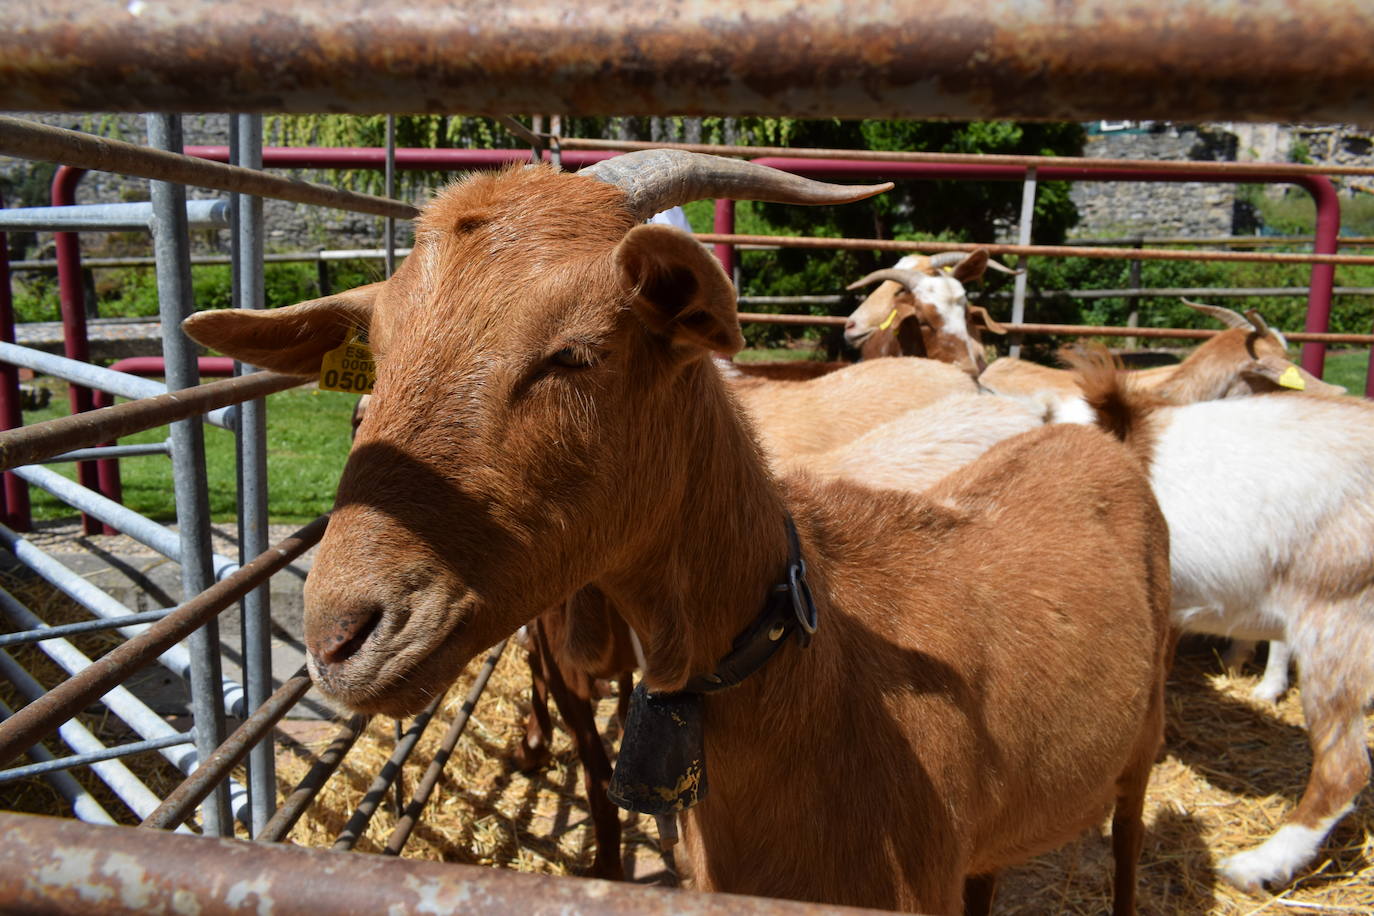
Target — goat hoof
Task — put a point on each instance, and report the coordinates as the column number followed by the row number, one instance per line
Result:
column 1268, row 693
column 1275, row 861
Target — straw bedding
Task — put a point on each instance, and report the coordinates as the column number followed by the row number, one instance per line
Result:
column 1232, row 768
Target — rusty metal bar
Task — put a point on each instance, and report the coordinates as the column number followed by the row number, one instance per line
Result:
column 411, row 816
column 41, row 441
column 313, row 781
column 1056, row 251
column 28, row 140
column 1079, row 330
column 390, row 772
column 40, row 718
column 1170, row 60
column 65, row 868
column 181, row 803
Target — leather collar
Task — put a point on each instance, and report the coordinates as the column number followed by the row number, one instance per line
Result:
column 789, row 608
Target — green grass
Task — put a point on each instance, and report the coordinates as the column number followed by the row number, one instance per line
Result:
column 1348, row 368
column 307, row 442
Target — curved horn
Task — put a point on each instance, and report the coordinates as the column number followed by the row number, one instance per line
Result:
column 946, row 259
column 1258, row 321
column 954, row 258
column 908, row 278
column 657, row 179
column 1226, row 316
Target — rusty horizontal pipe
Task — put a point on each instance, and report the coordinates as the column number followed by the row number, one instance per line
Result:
column 62, row 867
column 30, row 140
column 182, row 801
column 1049, row 251
column 1174, row 60
column 30, row 444
column 40, row 718
column 1075, row 330
column 276, row 829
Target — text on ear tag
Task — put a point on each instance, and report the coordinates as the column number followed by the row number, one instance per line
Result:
column 348, row 368
column 1291, row 378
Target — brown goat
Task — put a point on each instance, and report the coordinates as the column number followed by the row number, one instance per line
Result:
column 547, row 416
column 808, row 417
column 1248, row 358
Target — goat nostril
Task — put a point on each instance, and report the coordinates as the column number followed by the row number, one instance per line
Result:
column 348, row 638
column 849, row 325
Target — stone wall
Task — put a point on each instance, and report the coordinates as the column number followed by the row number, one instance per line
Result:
column 289, row 227
column 1117, row 209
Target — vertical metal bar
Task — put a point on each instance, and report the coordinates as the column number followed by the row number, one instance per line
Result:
column 322, row 275
column 15, row 492
column 172, row 247
column 252, row 468
column 1133, row 302
column 75, row 344
column 1325, row 241
column 390, row 243
column 390, row 193
column 1018, row 299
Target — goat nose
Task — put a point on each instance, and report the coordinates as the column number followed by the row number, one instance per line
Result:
column 345, row 637
column 849, row 325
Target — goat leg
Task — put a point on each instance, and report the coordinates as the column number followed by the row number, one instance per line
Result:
column 572, row 692
column 978, row 893
column 535, row 748
column 1334, row 689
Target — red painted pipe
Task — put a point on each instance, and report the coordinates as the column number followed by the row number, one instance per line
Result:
column 112, row 487
column 14, row 494
column 101, row 476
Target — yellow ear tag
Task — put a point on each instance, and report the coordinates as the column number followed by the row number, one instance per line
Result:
column 348, row 368
column 888, row 321
column 1291, row 378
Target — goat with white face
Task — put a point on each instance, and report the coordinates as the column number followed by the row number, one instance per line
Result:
column 921, row 308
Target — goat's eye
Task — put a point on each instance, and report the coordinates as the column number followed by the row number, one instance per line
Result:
column 570, row 358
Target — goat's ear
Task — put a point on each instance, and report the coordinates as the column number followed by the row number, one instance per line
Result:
column 680, row 290
column 978, row 317
column 293, row 339
column 972, row 268
column 1285, row 374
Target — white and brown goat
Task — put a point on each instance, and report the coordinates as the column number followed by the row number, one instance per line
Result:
column 921, row 308
column 1270, row 503
column 547, row 416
